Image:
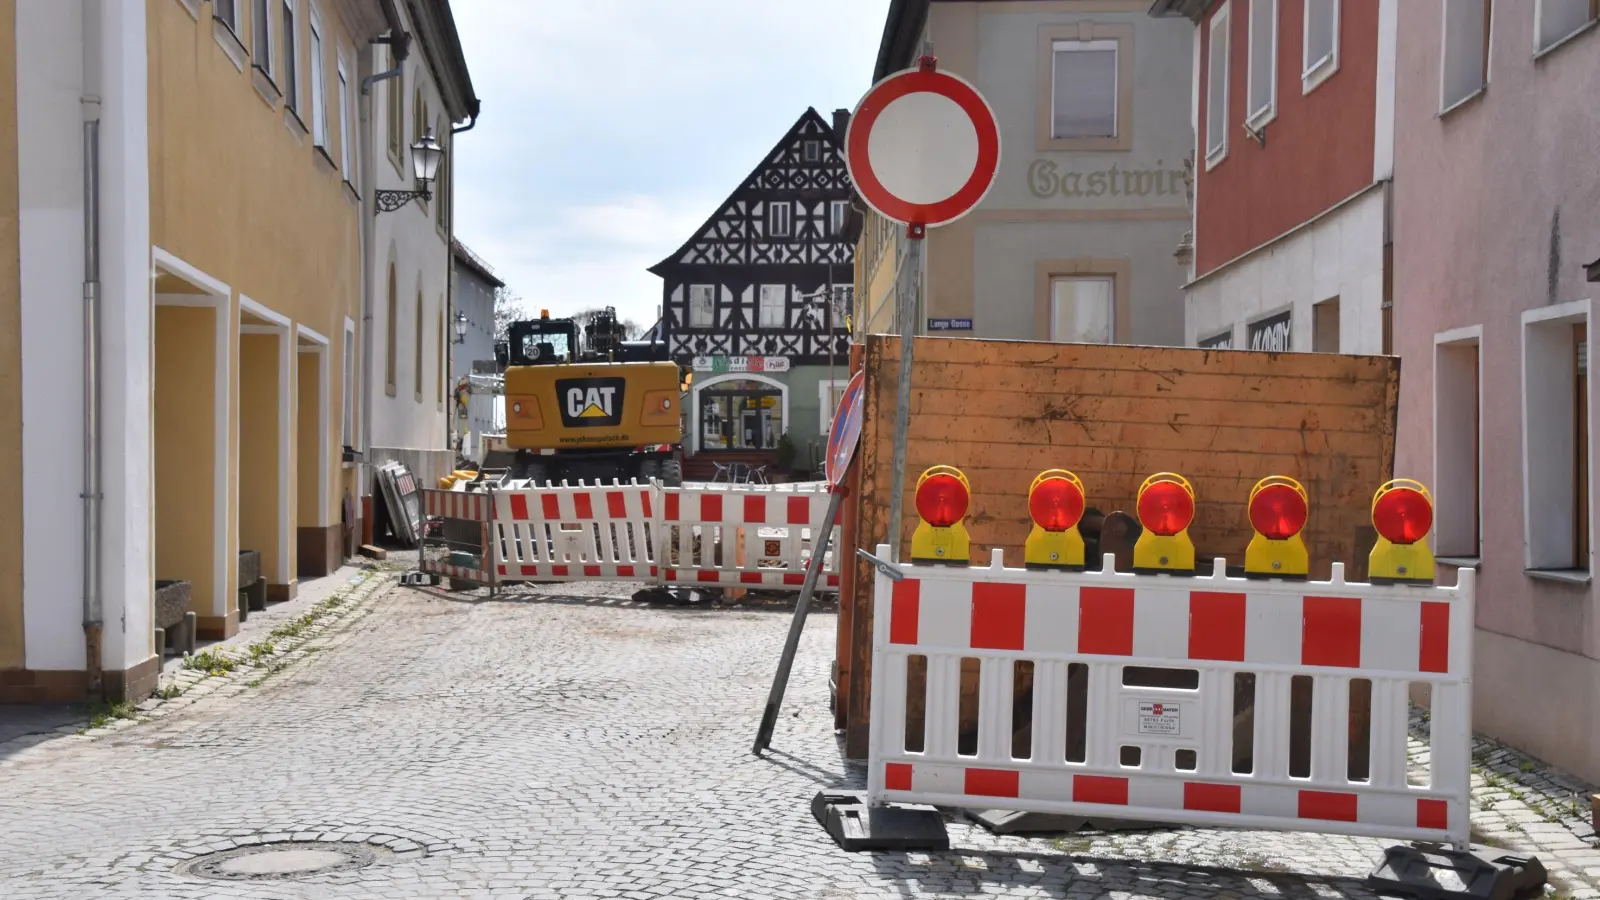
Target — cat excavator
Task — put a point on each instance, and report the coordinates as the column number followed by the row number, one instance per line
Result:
column 583, row 402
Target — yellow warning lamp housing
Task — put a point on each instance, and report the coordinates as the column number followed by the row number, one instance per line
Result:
column 1166, row 509
column 941, row 500
column 1278, row 510
column 1402, row 514
column 1055, row 503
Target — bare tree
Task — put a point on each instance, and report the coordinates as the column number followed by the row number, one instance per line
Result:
column 508, row 308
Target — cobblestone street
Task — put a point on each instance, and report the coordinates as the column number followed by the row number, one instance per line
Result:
column 556, row 745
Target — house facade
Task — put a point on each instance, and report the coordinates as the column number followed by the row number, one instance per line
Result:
column 1294, row 127
column 409, row 262
column 754, row 303
column 1497, row 239
column 1075, row 240
column 473, row 289
column 192, row 169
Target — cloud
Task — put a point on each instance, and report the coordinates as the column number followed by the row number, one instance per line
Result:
column 611, row 129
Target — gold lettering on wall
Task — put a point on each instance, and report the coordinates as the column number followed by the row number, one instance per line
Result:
column 1046, row 180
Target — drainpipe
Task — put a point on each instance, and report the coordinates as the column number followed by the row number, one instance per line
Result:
column 92, row 600
column 399, row 42
column 450, row 288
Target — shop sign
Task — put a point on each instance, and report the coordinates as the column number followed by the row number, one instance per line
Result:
column 721, row 364
column 1271, row 334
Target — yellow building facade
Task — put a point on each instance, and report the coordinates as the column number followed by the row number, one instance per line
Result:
column 182, row 225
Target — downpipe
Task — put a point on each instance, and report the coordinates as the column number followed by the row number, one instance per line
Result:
column 93, row 625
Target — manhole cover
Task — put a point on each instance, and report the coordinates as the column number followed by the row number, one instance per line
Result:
column 268, row 862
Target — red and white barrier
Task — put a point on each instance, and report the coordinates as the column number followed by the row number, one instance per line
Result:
column 565, row 533
column 737, row 535
column 459, row 506
column 1215, row 627
column 744, row 535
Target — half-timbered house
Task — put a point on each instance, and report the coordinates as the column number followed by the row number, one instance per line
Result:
column 756, row 300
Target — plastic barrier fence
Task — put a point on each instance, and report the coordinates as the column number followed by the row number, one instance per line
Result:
column 1136, row 681
column 548, row 533
column 758, row 536
column 459, row 546
column 743, row 535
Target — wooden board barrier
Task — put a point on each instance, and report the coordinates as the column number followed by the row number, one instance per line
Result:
column 1004, row 411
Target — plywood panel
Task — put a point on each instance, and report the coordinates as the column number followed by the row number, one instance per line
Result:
column 1003, row 411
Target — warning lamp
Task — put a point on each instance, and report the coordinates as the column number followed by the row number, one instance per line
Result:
column 941, row 500
column 1166, row 508
column 544, row 313
column 1055, row 503
column 1278, row 511
column 1402, row 514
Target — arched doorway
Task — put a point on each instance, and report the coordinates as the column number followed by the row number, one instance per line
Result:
column 740, row 412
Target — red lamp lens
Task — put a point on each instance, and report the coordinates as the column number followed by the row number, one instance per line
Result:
column 942, row 500
column 1402, row 516
column 1278, row 512
column 1166, row 508
column 1056, row 504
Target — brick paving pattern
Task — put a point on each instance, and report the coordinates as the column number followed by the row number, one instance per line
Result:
column 571, row 743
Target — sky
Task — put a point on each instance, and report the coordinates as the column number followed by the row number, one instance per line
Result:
column 611, row 129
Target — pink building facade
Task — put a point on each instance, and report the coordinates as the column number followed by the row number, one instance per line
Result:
column 1496, row 225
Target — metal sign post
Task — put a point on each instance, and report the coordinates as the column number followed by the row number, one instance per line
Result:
column 909, row 300
column 842, row 440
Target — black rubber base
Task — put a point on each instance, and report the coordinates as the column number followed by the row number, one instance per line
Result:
column 854, row 826
column 1432, row 872
column 1005, row 821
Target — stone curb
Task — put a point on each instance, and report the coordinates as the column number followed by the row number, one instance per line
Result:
column 240, row 666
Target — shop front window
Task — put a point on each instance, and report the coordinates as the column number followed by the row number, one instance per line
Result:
column 741, row 415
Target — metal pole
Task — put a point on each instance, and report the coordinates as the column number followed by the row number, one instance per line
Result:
column 819, row 552
column 910, row 286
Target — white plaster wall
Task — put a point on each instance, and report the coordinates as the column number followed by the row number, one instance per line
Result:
column 421, row 252
column 50, row 49
column 127, row 383
column 1340, row 256
column 50, row 212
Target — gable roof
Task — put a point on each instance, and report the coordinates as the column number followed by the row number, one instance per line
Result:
column 809, row 116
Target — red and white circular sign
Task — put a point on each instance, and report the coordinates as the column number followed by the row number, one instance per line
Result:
column 923, row 147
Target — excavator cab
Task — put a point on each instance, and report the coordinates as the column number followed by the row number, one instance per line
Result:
column 542, row 342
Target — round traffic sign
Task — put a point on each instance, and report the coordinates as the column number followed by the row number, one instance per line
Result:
column 923, row 147
column 846, row 430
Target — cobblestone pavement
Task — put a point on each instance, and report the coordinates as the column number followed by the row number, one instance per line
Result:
column 552, row 744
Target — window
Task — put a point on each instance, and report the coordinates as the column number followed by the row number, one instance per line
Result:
column 1082, row 309
column 836, row 214
column 349, row 385
column 1457, row 442
column 1464, row 68
column 831, row 393
column 397, row 114
column 1083, row 90
column 1325, row 326
column 1321, row 45
column 813, row 151
column 778, row 219
column 344, row 122
column 416, row 369
column 1559, row 19
column 442, row 182
column 226, row 12
column 702, row 306
column 261, row 33
column 417, row 117
column 291, row 61
column 1555, row 409
column 1217, row 88
column 392, row 339
column 772, row 312
column 319, row 99
column 1262, row 90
